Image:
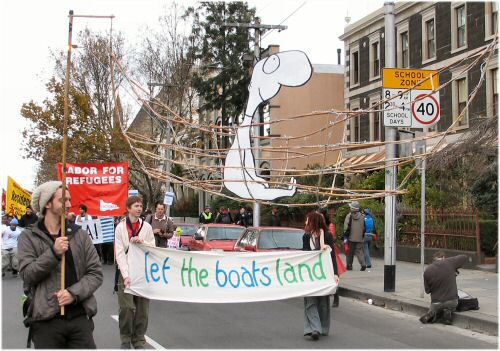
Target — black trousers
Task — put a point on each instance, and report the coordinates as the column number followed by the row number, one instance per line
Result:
column 58, row 333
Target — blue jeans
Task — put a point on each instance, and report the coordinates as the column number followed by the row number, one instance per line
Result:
column 366, row 249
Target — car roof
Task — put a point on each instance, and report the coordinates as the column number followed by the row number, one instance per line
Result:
column 187, row 224
column 275, row 228
column 221, row 225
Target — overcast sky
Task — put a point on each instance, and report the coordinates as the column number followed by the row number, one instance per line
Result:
column 29, row 29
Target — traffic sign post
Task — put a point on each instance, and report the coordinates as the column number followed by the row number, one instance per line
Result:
column 410, row 101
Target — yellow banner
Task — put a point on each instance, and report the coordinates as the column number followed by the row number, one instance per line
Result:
column 400, row 78
column 17, row 198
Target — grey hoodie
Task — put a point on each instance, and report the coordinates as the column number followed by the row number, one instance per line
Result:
column 40, row 269
column 357, row 231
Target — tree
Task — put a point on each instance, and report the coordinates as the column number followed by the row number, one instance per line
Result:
column 93, row 129
column 223, row 76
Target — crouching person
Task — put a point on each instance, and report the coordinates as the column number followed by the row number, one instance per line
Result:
column 440, row 281
column 134, row 310
column 41, row 248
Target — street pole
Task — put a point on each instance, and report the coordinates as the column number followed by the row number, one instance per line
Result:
column 422, row 212
column 65, row 141
column 256, row 129
column 390, row 170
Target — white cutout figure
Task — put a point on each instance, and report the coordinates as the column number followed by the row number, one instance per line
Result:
column 107, row 206
column 288, row 68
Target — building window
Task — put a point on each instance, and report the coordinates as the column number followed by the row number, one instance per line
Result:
column 431, row 43
column 462, row 95
column 458, row 26
column 376, row 59
column 355, row 68
column 461, row 26
column 494, row 90
column 357, row 127
column 490, row 19
column 405, row 57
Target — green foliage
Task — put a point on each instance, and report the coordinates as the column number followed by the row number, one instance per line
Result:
column 489, row 236
column 485, row 193
column 223, row 77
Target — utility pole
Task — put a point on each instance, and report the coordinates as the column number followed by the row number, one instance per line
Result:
column 258, row 30
column 168, row 137
column 390, row 170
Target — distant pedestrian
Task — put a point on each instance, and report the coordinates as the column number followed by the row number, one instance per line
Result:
column 370, row 229
column 206, row 216
column 133, row 310
column 354, row 232
column 28, row 218
column 224, row 217
column 10, row 260
column 440, row 281
column 249, row 216
column 83, row 216
column 241, row 217
column 275, row 217
column 71, row 217
column 41, row 248
column 163, row 226
column 317, row 308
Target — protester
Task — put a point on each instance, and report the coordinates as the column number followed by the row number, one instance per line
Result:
column 41, row 248
column 249, row 216
column 10, row 235
column 83, row 216
column 354, row 232
column 133, row 310
column 28, row 218
column 340, row 264
column 370, row 229
column 71, row 217
column 241, row 217
column 163, row 226
column 275, row 217
column 440, row 281
column 317, row 308
column 206, row 216
column 224, row 217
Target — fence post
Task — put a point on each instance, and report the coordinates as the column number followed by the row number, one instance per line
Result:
column 478, row 238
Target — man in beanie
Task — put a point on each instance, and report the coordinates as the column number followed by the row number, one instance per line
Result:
column 9, row 247
column 133, row 310
column 41, row 248
column 354, row 233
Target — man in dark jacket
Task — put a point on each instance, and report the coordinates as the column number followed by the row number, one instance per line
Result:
column 224, row 217
column 440, row 281
column 354, row 232
column 41, row 248
column 28, row 218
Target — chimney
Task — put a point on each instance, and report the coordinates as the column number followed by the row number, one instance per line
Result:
column 338, row 55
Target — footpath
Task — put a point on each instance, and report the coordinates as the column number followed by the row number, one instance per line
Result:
column 406, row 298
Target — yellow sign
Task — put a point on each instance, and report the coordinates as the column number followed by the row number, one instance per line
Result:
column 17, row 198
column 401, row 78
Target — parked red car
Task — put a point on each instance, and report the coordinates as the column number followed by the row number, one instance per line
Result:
column 261, row 239
column 188, row 231
column 215, row 237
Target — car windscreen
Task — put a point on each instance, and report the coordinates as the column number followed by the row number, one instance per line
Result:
column 224, row 233
column 280, row 239
column 188, row 229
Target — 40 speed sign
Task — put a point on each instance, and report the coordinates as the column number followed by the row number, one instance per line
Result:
column 425, row 108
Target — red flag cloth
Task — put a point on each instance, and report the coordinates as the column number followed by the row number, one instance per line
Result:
column 102, row 187
column 341, row 268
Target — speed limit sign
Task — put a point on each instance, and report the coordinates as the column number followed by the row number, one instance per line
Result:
column 425, row 108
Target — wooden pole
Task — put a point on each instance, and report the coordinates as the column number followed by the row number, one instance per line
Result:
column 65, row 141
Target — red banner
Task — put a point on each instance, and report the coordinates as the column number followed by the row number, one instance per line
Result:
column 102, row 187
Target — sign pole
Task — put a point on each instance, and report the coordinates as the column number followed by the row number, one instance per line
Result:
column 65, row 141
column 422, row 212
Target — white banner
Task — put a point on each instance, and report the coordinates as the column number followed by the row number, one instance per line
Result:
column 222, row 277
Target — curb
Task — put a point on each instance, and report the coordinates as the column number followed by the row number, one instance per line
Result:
column 465, row 320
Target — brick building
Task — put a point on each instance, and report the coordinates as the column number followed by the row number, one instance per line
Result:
column 429, row 35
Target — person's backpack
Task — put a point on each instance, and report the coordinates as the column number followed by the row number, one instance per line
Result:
column 466, row 302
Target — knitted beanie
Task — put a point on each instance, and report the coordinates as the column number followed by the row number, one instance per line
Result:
column 43, row 194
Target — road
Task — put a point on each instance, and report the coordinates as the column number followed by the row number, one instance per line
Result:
column 264, row 325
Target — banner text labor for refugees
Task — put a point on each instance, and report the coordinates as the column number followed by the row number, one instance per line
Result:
column 102, row 187
column 16, row 199
column 227, row 277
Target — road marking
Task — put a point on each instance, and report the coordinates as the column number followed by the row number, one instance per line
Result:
column 150, row 341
